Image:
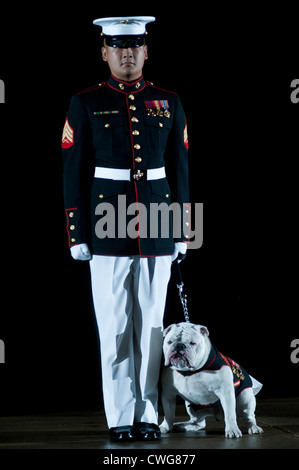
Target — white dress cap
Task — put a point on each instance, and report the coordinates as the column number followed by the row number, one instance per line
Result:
column 124, row 25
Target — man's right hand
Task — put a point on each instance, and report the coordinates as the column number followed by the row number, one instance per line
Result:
column 81, row 252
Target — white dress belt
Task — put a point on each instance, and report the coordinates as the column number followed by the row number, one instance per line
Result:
column 118, row 174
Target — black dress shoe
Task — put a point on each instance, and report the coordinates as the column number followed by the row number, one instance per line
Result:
column 121, row 433
column 146, row 432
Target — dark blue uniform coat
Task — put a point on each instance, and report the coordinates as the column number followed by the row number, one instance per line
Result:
column 125, row 126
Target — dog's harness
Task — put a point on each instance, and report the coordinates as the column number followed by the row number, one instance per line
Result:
column 216, row 361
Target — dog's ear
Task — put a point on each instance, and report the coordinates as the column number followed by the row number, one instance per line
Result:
column 167, row 330
column 203, row 330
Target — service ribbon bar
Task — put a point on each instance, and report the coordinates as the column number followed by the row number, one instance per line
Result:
column 97, row 113
column 156, row 104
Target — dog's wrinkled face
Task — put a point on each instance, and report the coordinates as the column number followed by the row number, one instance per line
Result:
column 186, row 346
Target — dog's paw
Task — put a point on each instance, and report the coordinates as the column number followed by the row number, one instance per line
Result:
column 190, row 426
column 255, row 429
column 232, row 431
column 164, row 427
column 195, row 427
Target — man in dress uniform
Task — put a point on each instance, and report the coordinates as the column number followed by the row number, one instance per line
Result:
column 114, row 151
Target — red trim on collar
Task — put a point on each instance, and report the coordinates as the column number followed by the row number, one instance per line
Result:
column 127, row 88
column 126, row 83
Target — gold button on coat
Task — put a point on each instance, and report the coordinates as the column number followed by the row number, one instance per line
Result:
column 72, row 227
column 131, row 97
column 137, row 147
column 138, row 159
column 135, row 132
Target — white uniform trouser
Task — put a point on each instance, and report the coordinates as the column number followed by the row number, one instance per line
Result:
column 129, row 295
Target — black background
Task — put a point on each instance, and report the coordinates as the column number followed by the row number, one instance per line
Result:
column 232, row 67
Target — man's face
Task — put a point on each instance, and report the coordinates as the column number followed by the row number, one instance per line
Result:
column 125, row 64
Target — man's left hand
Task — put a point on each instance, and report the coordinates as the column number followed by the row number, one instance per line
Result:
column 180, row 251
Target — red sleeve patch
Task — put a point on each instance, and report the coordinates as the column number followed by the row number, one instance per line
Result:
column 67, row 135
column 185, row 133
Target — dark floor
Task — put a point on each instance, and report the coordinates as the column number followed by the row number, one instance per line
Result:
column 87, row 430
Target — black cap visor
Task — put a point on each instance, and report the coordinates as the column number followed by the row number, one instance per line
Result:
column 124, row 42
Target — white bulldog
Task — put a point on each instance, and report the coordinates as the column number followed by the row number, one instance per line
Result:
column 205, row 379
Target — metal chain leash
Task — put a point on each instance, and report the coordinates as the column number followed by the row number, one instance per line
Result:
column 183, row 299
column 180, row 285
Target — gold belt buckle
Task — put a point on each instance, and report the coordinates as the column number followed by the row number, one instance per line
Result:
column 138, row 175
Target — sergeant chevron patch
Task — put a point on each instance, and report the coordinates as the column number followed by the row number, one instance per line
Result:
column 67, row 135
